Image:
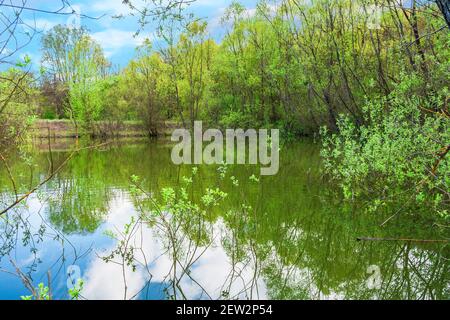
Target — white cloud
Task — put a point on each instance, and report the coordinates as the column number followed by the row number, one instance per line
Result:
column 40, row 24
column 107, row 10
column 115, row 7
column 211, row 270
column 106, row 280
column 113, row 40
column 251, row 12
column 211, row 3
column 215, row 25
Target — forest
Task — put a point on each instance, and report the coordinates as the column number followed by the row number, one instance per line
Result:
column 365, row 81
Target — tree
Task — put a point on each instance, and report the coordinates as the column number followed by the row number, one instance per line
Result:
column 18, row 102
column 56, row 45
column 144, row 82
column 86, row 83
column 16, row 33
column 194, row 53
column 444, row 6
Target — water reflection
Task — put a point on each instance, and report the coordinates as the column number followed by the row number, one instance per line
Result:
column 285, row 237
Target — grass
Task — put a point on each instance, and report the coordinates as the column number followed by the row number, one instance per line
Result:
column 64, row 128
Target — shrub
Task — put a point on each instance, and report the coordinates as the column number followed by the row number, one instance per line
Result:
column 400, row 156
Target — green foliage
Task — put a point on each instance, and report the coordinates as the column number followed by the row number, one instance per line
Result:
column 60, row 69
column 88, row 84
column 295, row 66
column 140, row 90
column 41, row 293
column 75, row 292
column 48, row 114
column 18, row 103
column 397, row 157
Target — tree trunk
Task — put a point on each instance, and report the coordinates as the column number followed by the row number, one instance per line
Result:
column 444, row 6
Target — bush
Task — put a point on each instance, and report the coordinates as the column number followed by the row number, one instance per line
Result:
column 399, row 156
column 237, row 119
column 48, row 114
column 17, row 107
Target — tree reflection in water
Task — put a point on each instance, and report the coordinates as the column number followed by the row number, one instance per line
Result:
column 173, row 235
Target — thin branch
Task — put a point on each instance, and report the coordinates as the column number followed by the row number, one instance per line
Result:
column 49, row 177
column 58, row 12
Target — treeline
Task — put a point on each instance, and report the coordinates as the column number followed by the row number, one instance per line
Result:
column 296, row 66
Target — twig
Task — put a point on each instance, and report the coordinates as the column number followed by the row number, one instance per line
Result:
column 427, row 35
column 49, row 177
column 26, row 281
column 57, row 12
column 443, row 152
column 49, row 280
column 8, row 169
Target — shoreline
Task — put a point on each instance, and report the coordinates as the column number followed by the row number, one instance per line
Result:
column 65, row 129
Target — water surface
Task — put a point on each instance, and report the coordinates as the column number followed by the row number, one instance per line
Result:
column 285, row 237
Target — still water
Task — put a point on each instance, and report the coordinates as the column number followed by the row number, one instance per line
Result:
column 283, row 237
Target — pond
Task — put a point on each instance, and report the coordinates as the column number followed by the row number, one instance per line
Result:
column 287, row 236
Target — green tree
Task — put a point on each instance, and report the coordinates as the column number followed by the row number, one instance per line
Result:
column 87, row 83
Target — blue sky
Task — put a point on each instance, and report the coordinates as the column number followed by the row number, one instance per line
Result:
column 115, row 35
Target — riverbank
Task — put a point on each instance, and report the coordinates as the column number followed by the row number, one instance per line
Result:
column 66, row 129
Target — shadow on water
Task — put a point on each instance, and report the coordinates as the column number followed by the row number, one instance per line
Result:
column 282, row 237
